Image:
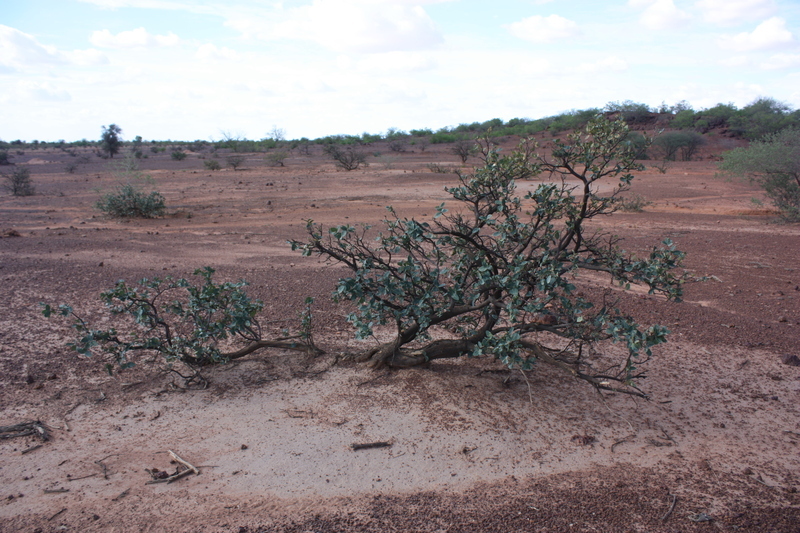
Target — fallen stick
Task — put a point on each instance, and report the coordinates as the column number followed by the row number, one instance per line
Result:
column 82, row 477
column 121, row 495
column 55, row 491
column 55, row 515
column 184, row 463
column 190, row 469
column 32, row 448
column 671, row 508
column 369, row 445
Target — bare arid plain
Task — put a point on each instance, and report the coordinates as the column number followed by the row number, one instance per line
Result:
column 473, row 446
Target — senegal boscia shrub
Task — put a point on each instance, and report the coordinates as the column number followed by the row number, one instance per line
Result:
column 497, row 270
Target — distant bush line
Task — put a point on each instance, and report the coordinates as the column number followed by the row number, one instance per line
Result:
column 764, row 116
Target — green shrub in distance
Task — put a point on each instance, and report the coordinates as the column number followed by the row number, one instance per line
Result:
column 212, row 164
column 130, row 202
column 178, row 155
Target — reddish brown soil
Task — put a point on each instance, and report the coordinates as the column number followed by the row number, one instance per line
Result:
column 474, row 447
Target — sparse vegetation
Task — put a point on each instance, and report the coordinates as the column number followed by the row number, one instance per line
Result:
column 128, row 201
column 19, row 182
column 634, row 203
column 235, row 161
column 774, row 163
column 439, row 169
column 464, row 148
column 212, row 164
column 4, row 158
column 277, row 158
column 347, row 158
column 178, row 155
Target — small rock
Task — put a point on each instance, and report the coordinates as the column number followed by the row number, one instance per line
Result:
column 783, row 319
column 790, row 359
column 244, row 446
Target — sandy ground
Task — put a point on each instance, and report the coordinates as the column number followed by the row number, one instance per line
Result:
column 473, row 446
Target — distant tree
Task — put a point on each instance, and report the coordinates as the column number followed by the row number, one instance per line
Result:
column 110, row 141
column 774, row 163
column 19, row 183
column 277, row 134
column 669, row 144
column 235, row 161
column 347, row 157
column 463, row 148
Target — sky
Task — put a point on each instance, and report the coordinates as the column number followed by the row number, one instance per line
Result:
column 205, row 69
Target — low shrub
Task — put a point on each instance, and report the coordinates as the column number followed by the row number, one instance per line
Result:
column 347, row 158
column 178, row 155
column 633, row 204
column 235, row 161
column 130, row 202
column 212, row 164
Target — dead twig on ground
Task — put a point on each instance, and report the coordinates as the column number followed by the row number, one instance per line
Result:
column 104, row 467
column 24, row 429
column 368, row 445
column 617, row 443
column 55, row 515
column 121, row 495
column 82, row 477
column 55, row 491
column 671, row 508
column 32, row 448
column 530, row 392
column 188, row 469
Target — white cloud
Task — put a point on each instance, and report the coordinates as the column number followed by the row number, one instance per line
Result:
column 87, row 58
column 138, row 38
column 396, row 62
column 43, row 91
column 209, row 51
column 732, row 12
column 21, row 50
column 18, row 49
column 771, row 33
column 370, row 26
column 609, row 64
column 539, row 29
column 660, row 14
column 736, row 61
column 781, row 61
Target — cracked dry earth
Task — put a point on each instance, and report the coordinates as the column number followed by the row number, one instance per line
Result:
column 472, row 445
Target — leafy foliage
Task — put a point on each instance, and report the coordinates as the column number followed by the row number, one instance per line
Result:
column 178, row 155
column 773, row 162
column 128, row 201
column 498, row 272
column 180, row 321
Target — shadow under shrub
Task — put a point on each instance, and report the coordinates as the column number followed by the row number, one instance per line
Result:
column 130, row 202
